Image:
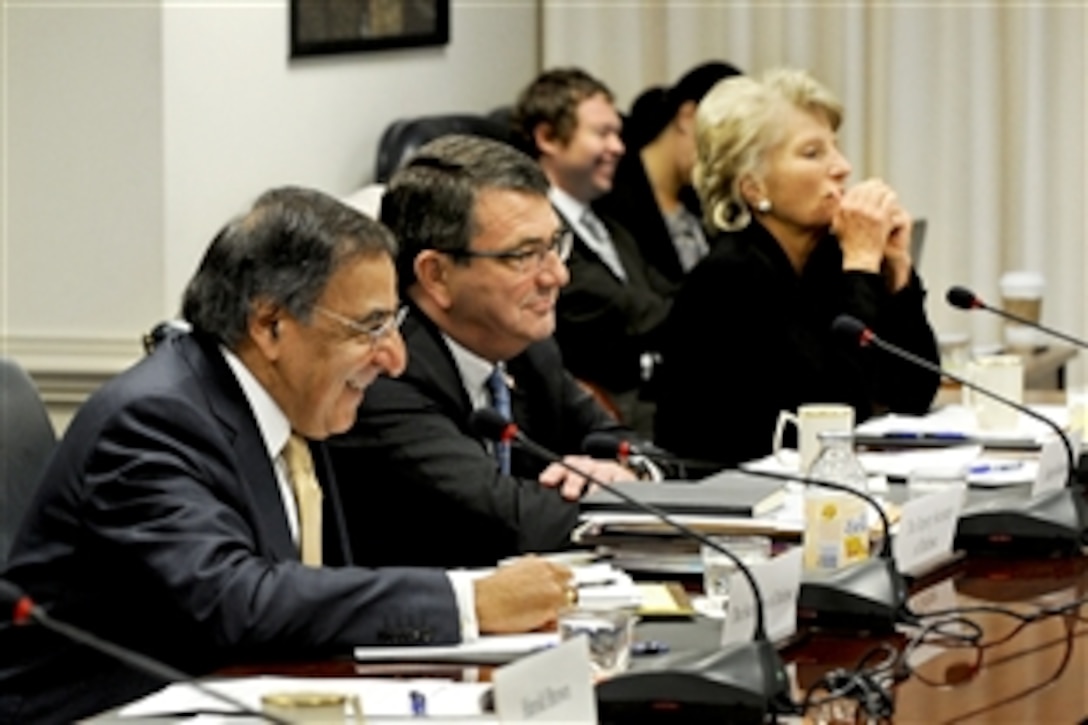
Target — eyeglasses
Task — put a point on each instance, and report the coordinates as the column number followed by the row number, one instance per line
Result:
column 528, row 257
column 368, row 333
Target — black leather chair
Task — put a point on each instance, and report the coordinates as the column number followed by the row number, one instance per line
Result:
column 402, row 137
column 27, row 439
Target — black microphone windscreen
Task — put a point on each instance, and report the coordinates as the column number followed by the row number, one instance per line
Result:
column 9, row 596
column 961, row 297
column 848, row 326
column 602, row 445
column 488, row 423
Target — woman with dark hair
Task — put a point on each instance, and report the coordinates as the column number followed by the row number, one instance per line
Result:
column 651, row 191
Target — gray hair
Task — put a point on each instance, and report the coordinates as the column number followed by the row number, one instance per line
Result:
column 737, row 125
column 283, row 250
column 430, row 202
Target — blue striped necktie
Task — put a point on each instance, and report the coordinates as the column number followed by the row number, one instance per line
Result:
column 500, row 399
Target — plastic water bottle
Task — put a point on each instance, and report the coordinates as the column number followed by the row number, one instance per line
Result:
column 836, row 523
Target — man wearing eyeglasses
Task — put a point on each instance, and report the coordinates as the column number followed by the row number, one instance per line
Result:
column 612, row 314
column 481, row 263
column 182, row 514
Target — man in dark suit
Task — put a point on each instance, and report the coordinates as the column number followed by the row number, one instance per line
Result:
column 481, row 265
column 167, row 520
column 613, row 311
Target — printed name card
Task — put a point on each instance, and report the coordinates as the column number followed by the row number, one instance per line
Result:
column 927, row 527
column 554, row 685
column 779, row 581
column 1053, row 466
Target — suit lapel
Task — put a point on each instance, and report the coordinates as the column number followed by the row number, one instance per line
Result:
column 431, row 366
column 258, row 484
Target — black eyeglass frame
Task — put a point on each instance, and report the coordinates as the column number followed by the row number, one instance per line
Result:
column 518, row 258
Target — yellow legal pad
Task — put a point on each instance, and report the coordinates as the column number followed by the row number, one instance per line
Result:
column 664, row 599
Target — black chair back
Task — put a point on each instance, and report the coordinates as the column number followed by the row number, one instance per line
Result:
column 27, row 439
column 403, row 137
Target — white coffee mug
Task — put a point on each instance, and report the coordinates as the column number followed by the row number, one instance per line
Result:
column 811, row 419
column 1004, row 375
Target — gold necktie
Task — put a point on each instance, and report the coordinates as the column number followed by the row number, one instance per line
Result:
column 300, row 469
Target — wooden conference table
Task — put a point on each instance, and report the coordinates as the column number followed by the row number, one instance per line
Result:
column 1038, row 674
column 1035, row 674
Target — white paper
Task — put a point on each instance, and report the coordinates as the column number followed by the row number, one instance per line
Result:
column 779, row 581
column 487, row 649
column 927, row 526
column 1053, row 469
column 379, row 697
column 962, row 420
column 554, row 686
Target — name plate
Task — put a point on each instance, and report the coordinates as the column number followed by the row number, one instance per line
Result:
column 779, row 581
column 1053, row 466
column 927, row 527
column 554, row 685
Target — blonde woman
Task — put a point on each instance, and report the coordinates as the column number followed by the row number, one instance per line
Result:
column 794, row 246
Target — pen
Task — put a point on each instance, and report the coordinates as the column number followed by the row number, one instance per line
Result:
column 994, row 467
column 935, row 436
column 649, row 647
column 419, row 703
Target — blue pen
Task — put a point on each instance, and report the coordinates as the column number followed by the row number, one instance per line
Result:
column 649, row 647
column 981, row 468
column 419, row 703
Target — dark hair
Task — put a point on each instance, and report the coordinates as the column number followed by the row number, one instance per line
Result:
column 283, row 250
column 656, row 107
column 553, row 99
column 429, row 203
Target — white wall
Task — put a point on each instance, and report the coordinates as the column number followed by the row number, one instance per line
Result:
column 83, row 171
column 132, row 130
column 241, row 117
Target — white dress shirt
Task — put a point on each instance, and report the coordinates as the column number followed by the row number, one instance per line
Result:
column 275, row 429
column 575, row 213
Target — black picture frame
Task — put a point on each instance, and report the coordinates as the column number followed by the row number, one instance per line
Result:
column 325, row 27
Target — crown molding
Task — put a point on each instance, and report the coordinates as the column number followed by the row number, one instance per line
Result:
column 69, row 368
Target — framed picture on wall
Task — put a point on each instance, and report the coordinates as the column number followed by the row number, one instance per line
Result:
column 322, row 27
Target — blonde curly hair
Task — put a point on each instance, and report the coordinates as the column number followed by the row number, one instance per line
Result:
column 737, row 124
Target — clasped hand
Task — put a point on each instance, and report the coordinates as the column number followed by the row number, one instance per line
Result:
column 874, row 232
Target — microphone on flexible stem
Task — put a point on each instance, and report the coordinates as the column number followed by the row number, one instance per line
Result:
column 1055, row 520
column 965, row 299
column 609, row 445
column 743, row 681
column 24, row 610
column 870, row 594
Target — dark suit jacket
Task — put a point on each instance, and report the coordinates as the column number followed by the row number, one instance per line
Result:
column 749, row 337
column 159, row 525
column 632, row 205
column 604, row 323
column 420, row 488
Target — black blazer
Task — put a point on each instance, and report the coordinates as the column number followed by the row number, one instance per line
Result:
column 605, row 323
column 631, row 204
column 159, row 525
column 749, row 337
column 419, row 488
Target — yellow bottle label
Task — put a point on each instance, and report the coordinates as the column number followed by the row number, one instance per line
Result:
column 836, row 530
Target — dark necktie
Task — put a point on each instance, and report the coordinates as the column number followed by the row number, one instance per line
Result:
column 500, row 399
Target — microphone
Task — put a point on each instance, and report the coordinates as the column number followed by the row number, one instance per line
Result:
column 609, row 445
column 965, row 299
column 23, row 610
column 871, row 591
column 745, row 680
column 1054, row 520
